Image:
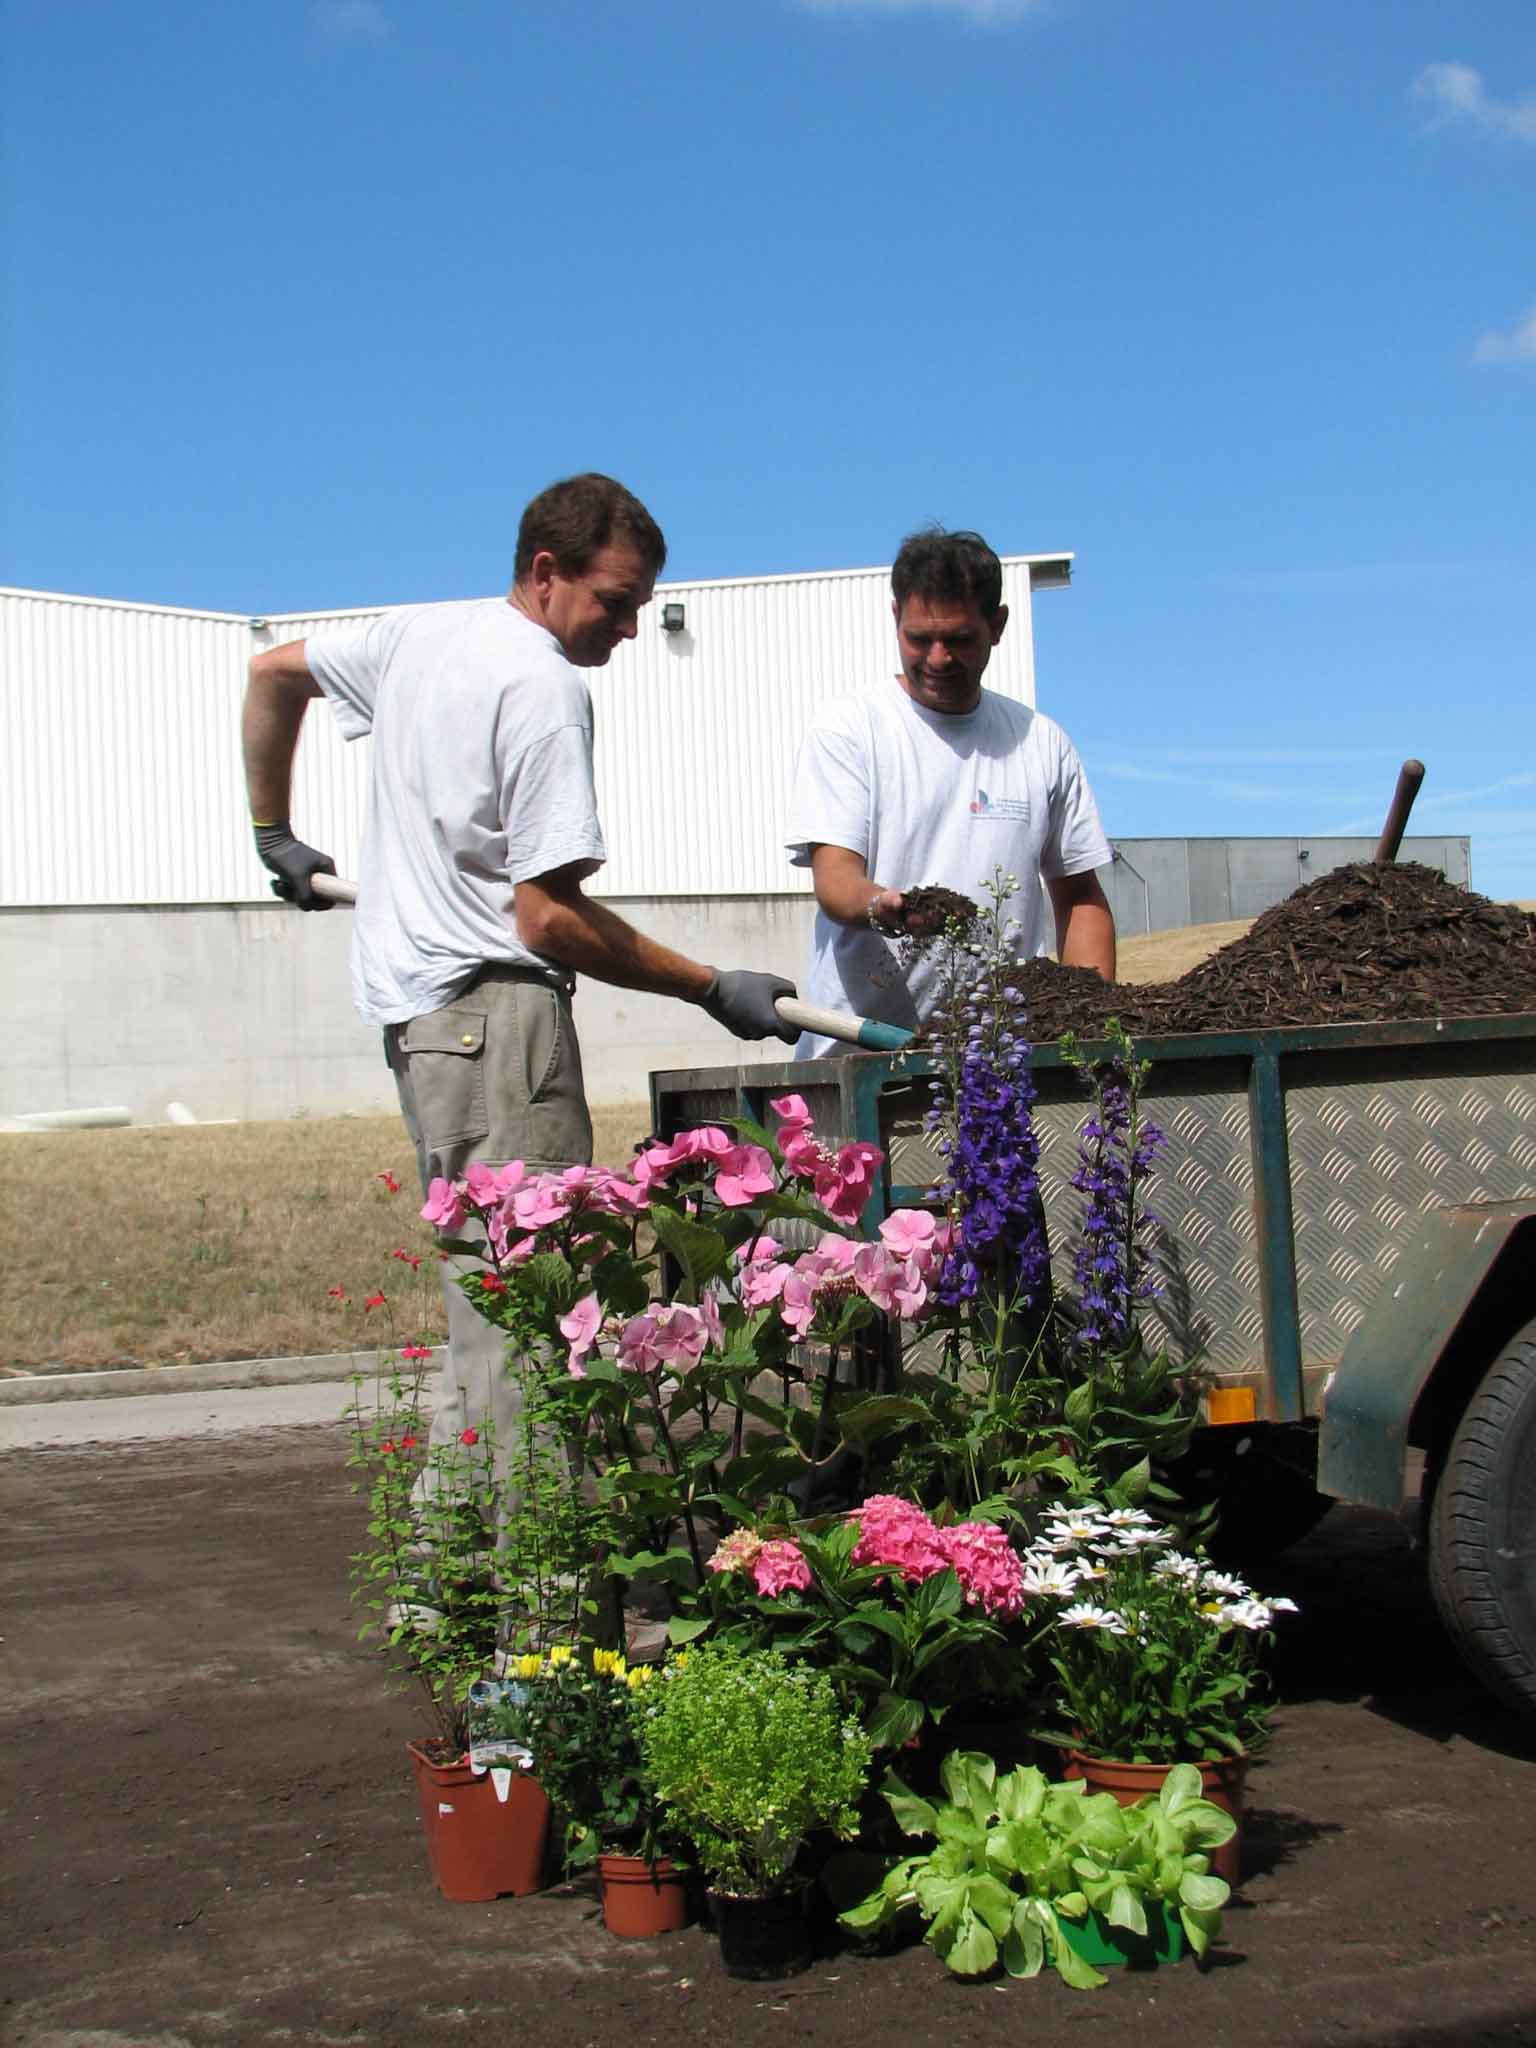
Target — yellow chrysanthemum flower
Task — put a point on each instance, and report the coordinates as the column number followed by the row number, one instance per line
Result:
column 638, row 1675
column 562, row 1653
column 528, row 1665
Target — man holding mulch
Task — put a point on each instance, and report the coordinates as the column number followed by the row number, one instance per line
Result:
column 927, row 781
column 471, row 922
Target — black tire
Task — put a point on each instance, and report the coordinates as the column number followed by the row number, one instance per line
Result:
column 1482, row 1528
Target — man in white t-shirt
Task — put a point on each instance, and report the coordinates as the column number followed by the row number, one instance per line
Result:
column 928, row 779
column 471, row 921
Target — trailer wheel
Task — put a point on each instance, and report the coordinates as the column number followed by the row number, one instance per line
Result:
column 1482, row 1527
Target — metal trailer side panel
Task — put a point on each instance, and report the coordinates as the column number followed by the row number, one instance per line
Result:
column 1298, row 1161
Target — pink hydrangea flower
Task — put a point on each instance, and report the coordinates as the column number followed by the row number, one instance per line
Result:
column 895, row 1533
column 735, row 1552
column 538, row 1203
column 990, row 1570
column 442, row 1208
column 844, row 1184
column 580, row 1329
column 762, row 1283
column 908, row 1231
column 745, row 1173
column 487, row 1185
column 780, row 1567
column 637, row 1345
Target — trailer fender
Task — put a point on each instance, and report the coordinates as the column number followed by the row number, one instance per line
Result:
column 1453, row 1300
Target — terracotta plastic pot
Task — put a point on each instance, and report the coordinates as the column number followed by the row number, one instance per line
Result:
column 641, row 1898
column 478, row 1844
column 1221, row 1783
column 764, row 1937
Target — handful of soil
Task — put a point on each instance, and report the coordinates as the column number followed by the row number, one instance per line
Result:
column 1363, row 944
column 939, row 905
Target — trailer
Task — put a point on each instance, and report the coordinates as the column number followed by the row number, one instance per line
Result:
column 1349, row 1253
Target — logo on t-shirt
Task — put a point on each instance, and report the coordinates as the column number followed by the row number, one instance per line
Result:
column 984, row 806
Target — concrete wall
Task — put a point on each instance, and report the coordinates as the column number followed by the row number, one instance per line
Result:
column 246, row 1012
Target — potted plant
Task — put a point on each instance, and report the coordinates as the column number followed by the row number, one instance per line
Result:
column 751, row 1754
column 910, row 1615
column 575, row 1711
column 1024, row 1872
column 429, row 1581
column 1158, row 1659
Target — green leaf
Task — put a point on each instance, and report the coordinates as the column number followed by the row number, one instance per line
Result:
column 1125, row 1908
column 894, row 1721
column 971, row 1949
column 681, row 1629
column 1024, row 1945
column 1070, row 1966
column 865, row 1421
column 700, row 1251
column 1205, row 1894
column 912, row 1814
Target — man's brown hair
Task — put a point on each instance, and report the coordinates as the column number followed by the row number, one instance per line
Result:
column 576, row 517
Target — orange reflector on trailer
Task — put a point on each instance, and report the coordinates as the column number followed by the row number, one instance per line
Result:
column 1231, row 1404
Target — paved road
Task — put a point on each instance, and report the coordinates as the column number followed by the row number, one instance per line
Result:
column 141, row 1418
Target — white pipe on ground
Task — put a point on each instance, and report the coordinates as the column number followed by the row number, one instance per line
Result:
column 69, row 1119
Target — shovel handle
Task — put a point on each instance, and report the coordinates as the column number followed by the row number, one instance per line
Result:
column 839, row 1024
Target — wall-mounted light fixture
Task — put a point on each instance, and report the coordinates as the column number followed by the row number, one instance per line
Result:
column 672, row 619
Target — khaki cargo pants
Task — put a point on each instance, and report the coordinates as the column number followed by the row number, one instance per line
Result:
column 494, row 1075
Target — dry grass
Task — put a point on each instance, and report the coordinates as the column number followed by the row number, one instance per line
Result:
column 170, row 1245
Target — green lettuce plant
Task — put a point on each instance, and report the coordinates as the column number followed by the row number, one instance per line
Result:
column 1014, row 1856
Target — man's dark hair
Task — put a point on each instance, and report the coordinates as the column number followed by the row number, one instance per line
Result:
column 576, row 517
column 957, row 567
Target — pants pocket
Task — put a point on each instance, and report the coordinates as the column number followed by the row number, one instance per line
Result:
column 445, row 1059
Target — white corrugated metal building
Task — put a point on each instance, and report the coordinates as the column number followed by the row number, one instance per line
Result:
column 143, row 957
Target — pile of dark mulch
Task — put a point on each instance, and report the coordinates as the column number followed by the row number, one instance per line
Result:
column 1360, row 945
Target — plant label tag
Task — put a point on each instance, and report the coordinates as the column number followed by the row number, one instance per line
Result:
column 501, row 1778
column 496, row 1751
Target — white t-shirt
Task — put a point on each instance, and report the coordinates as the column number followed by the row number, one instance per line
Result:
column 481, row 777
column 933, row 798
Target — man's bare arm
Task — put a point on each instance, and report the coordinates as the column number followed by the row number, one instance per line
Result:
column 555, row 918
column 1085, row 924
column 848, row 895
column 278, row 689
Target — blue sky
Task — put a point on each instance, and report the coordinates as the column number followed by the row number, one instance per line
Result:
column 1235, row 299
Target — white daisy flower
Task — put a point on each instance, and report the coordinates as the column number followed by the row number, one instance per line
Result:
column 1177, row 1566
column 1081, row 1526
column 1086, row 1615
column 1053, row 1578
column 1127, row 1518
column 1226, row 1583
column 1132, row 1540
column 1091, row 1569
column 1280, row 1605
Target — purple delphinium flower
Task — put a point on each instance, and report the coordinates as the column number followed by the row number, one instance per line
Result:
column 993, row 1188
column 1115, row 1152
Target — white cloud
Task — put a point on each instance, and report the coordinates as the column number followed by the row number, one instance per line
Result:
column 351, row 21
column 1517, row 346
column 1455, row 92
column 988, row 12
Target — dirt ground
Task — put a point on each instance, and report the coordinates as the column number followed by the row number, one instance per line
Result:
column 210, row 1833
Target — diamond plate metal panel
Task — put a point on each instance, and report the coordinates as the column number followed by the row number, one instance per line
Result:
column 1204, row 1199
column 1368, row 1156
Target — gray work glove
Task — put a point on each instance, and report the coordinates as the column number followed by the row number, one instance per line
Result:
column 292, row 862
column 743, row 1002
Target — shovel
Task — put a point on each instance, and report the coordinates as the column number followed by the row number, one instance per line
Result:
column 864, row 1032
